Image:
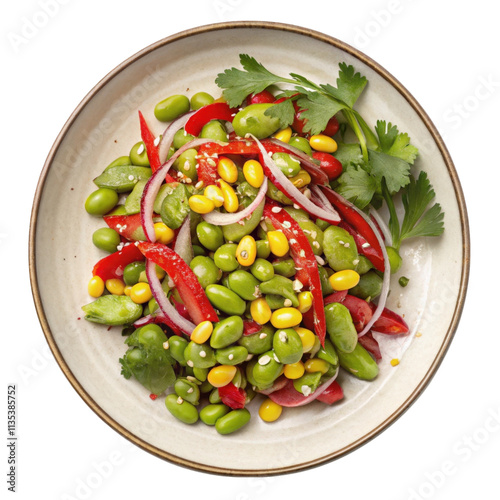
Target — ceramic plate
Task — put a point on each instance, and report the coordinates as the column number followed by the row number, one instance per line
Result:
column 105, row 125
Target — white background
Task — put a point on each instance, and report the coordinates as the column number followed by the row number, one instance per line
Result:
column 447, row 445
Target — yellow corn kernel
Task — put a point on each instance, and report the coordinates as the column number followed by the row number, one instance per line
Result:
column 96, row 286
column 214, row 193
column 227, row 169
column 284, row 135
column 163, row 233
column 316, row 365
column 307, row 337
column 202, row 332
column 201, row 204
column 394, row 362
column 305, row 301
column 231, row 202
column 270, row 411
column 254, row 173
column 115, row 286
column 278, row 243
column 323, row 143
column 260, row 311
column 141, row 293
column 221, row 375
column 246, row 251
column 294, row 370
column 160, row 273
column 126, row 291
column 301, row 179
column 344, row 280
column 286, row 317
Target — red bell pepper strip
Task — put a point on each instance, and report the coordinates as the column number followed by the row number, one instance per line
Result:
column 389, row 322
column 360, row 310
column 191, row 292
column 352, row 217
column 251, row 327
column 304, row 259
column 151, row 148
column 128, row 226
column 333, row 394
column 232, row 396
column 112, row 265
column 214, row 111
column 371, row 345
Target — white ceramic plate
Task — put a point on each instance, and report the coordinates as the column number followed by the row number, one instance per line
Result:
column 105, row 125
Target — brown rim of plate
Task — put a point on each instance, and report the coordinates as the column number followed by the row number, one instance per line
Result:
column 465, row 243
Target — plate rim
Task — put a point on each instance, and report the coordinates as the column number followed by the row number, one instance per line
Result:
column 464, row 278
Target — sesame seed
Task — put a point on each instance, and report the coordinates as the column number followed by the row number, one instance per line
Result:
column 262, row 336
column 287, row 303
column 180, row 400
column 131, row 177
column 191, row 378
column 302, row 253
column 166, row 345
column 156, row 141
column 283, row 336
column 355, row 262
column 203, row 354
column 211, row 162
column 199, row 184
column 347, row 245
column 190, row 363
column 306, row 390
column 319, row 260
column 365, row 245
column 315, row 244
column 140, row 149
column 297, row 207
column 276, row 210
column 297, row 285
column 341, row 242
column 264, row 360
column 276, row 358
column 307, row 193
column 287, row 224
column 190, row 390
column 231, row 357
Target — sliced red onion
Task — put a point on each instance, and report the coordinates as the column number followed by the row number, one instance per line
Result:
column 223, row 219
column 285, row 184
column 278, row 384
column 383, row 226
column 164, row 304
column 168, row 136
column 153, row 186
column 183, row 246
column 320, row 199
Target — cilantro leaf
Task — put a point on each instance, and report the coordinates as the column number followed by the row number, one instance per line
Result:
column 317, row 110
column 284, row 111
column 394, row 143
column 357, row 185
column 395, row 170
column 349, row 154
column 350, row 85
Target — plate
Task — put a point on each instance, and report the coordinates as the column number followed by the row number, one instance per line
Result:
column 105, row 126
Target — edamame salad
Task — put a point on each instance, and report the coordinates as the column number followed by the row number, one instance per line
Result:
column 242, row 253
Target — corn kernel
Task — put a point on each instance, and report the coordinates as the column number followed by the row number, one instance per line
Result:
column 126, row 291
column 227, row 170
column 163, row 233
column 96, row 286
column 260, row 311
column 307, row 337
column 344, row 280
column 278, row 243
column 221, row 375
column 316, row 365
column 202, row 332
column 283, row 135
column 246, row 251
column 254, row 173
column 270, row 411
column 201, row 204
column 294, row 370
column 115, row 286
column 286, row 317
column 323, row 143
column 214, row 193
column 301, row 179
column 141, row 293
column 395, row 362
column 231, row 202
column 305, row 301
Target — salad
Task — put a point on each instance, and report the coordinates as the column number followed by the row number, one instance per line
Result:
column 246, row 258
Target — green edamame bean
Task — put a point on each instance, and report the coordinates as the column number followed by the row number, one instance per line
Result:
column 120, row 162
column 239, row 379
column 297, row 214
column 300, row 143
column 314, row 235
column 177, row 345
column 263, row 249
column 323, row 225
column 181, row 409
column 277, row 195
column 106, row 239
column 340, row 249
column 132, row 272
column 171, row 108
column 198, row 250
column 232, row 355
column 225, row 300
column 214, row 130
column 326, row 286
column 206, row 387
column 138, row 155
column 244, row 284
column 199, row 355
column 181, row 137
column 205, row 270
column 287, row 346
column 164, row 191
column 118, row 210
column 212, row 412
column 113, row 310
column 328, row 353
column 232, row 421
column 253, row 120
column 226, row 332
column 369, row 286
column 364, row 265
column 262, row 269
column 101, row 201
column 225, row 257
column 214, row 396
column 209, row 235
column 234, row 232
column 275, row 301
column 175, row 207
column 279, row 285
column 187, row 390
column 284, row 267
column 200, row 373
column 186, row 164
column 201, row 99
column 266, row 370
column 308, row 383
column 258, row 342
column 288, row 165
column 340, row 327
column 133, row 202
column 122, row 179
column 359, row 363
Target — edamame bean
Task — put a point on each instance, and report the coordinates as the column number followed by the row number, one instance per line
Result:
column 266, row 370
column 106, row 239
column 177, row 346
column 101, row 201
column 214, row 396
column 262, row 269
column 279, row 285
column 113, row 310
column 181, row 137
column 199, row 355
column 132, row 272
column 340, row 327
column 201, row 99
column 301, row 143
column 186, row 164
column 181, row 409
column 253, row 120
column 232, row 355
column 133, row 202
column 187, row 390
column 175, row 207
column 326, row 286
column 235, row 232
column 232, row 421
column 359, row 363
column 308, row 383
column 288, row 165
column 205, row 270
column 259, row 342
column 209, row 235
column 263, row 249
column 171, row 108
column 212, row 412
column 119, row 162
column 328, row 353
column 244, row 284
column 287, row 346
column 284, row 267
column 122, row 179
column 138, row 155
column 340, row 249
column 277, row 195
column 214, row 130
column 297, row 214
column 225, row 257
column 369, row 286
column 225, row 300
column 364, row 265
column 314, row 235
column 226, row 332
